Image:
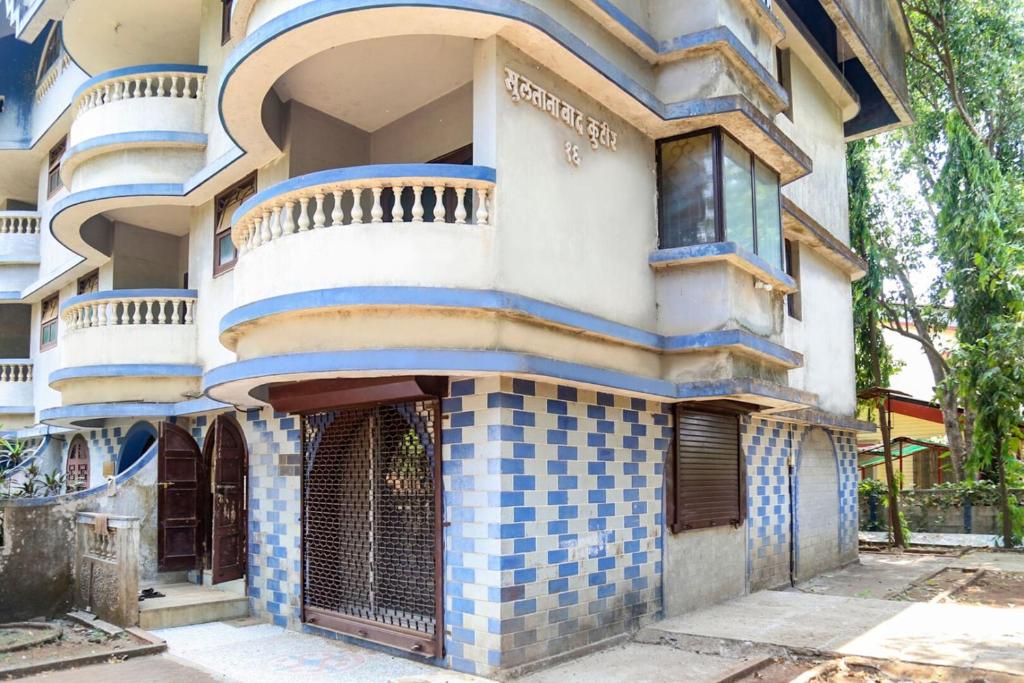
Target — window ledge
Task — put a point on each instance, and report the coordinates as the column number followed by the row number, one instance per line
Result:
column 724, row 251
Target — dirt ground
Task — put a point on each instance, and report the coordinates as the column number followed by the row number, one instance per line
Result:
column 862, row 670
column 995, row 589
column 77, row 640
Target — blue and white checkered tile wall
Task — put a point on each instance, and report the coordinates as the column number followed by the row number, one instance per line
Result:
column 767, row 444
column 554, row 499
column 846, row 452
column 275, row 514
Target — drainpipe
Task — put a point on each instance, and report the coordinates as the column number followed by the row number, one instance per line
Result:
column 790, row 464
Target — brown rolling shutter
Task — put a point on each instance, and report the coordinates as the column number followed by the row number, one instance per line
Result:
column 708, row 478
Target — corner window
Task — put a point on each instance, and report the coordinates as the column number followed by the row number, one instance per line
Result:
column 53, row 181
column 713, row 189
column 48, row 323
column 706, row 470
column 225, row 205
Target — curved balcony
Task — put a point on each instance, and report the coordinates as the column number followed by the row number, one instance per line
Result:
column 16, row 409
column 343, row 227
column 19, row 238
column 128, row 346
column 151, row 116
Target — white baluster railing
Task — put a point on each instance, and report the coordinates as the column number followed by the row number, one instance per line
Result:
column 51, row 75
column 15, row 370
column 427, row 193
column 186, row 83
column 130, row 307
column 19, row 222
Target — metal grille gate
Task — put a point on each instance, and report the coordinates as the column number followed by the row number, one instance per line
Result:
column 371, row 543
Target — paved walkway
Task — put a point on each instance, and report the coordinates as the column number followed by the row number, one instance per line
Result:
column 269, row 654
column 944, row 634
column 155, row 669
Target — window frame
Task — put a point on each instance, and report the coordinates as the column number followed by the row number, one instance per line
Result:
column 220, row 202
column 674, row 504
column 791, row 263
column 53, row 167
column 44, row 324
column 52, row 51
column 225, row 21
column 784, row 75
column 717, row 152
column 84, row 280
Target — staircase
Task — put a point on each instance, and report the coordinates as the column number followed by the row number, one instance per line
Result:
column 185, row 604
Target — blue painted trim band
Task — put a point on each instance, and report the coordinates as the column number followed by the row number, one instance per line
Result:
column 17, row 410
column 137, row 138
column 133, row 70
column 620, row 17
column 714, row 250
column 492, row 300
column 509, row 9
column 369, row 172
column 129, row 294
column 126, row 370
column 505, row 362
column 10, row 296
column 93, row 411
column 718, row 338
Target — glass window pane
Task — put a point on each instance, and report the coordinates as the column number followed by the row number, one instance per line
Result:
column 687, row 188
column 739, row 205
column 225, row 249
column 769, row 224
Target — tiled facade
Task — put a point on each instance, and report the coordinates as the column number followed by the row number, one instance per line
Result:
column 555, row 499
column 768, row 446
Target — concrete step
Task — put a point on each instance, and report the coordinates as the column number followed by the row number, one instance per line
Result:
column 185, row 604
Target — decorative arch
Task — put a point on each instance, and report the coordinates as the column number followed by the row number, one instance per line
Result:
column 137, row 441
column 77, row 467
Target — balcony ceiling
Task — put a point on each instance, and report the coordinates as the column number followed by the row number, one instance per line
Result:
column 372, row 83
column 170, row 219
column 110, row 34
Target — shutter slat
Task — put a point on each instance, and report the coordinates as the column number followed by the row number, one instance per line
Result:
column 708, row 468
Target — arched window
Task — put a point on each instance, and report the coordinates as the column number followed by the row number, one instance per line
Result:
column 136, row 442
column 78, row 464
column 54, row 48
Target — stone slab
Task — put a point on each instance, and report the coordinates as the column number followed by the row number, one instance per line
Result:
column 944, row 634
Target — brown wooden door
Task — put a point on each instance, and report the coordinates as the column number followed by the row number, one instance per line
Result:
column 77, row 471
column 229, row 510
column 179, row 473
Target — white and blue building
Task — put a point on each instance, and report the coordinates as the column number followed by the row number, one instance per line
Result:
column 483, row 330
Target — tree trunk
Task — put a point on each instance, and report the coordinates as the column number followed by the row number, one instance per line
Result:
column 954, row 435
column 1004, row 496
column 895, row 528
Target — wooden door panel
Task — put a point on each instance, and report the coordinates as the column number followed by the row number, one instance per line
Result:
column 179, row 472
column 229, row 501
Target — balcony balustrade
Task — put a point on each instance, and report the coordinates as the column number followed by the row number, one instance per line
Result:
column 128, row 345
column 15, row 392
column 19, row 223
column 128, row 307
column 396, row 224
column 150, row 116
column 172, row 84
column 366, row 194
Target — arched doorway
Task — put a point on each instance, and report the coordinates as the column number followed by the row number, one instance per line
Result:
column 77, row 468
column 816, row 506
column 136, row 442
